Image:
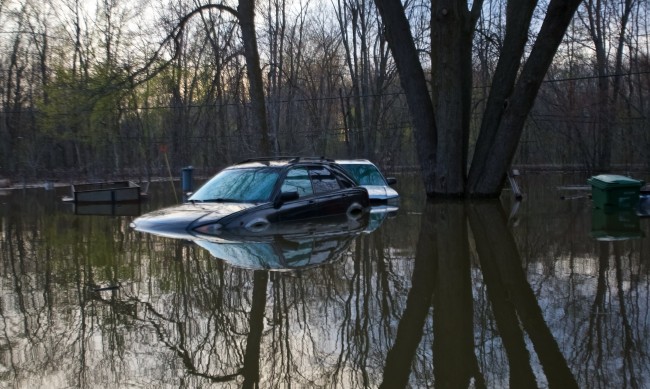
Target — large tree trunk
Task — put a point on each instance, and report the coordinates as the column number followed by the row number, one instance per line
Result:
column 246, row 11
column 414, row 83
column 452, row 27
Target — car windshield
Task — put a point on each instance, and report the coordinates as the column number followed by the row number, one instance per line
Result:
column 365, row 174
column 239, row 185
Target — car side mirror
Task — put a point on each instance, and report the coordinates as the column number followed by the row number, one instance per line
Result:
column 284, row 197
column 391, row 180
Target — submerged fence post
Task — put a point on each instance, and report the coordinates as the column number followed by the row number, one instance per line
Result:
column 514, row 185
column 186, row 180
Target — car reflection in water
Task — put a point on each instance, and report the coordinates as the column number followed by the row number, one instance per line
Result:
column 378, row 214
column 287, row 246
column 282, row 246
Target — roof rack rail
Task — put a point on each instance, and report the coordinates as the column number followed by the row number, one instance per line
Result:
column 324, row 159
column 266, row 159
column 289, row 158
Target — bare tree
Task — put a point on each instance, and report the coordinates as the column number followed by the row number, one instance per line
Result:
column 245, row 15
column 321, row 70
column 246, row 11
column 442, row 122
column 13, row 90
column 369, row 71
column 599, row 18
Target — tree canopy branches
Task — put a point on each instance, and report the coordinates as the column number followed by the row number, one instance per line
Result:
column 110, row 87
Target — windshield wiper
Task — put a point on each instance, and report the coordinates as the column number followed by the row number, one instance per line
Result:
column 194, row 201
column 223, row 200
column 219, row 200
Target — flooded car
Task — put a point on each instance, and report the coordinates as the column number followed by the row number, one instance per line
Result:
column 370, row 177
column 255, row 194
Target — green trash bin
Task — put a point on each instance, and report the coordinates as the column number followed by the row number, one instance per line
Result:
column 614, row 191
column 621, row 224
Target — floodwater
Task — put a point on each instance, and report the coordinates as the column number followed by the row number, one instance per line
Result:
column 545, row 293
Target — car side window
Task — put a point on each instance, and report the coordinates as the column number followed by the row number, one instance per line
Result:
column 344, row 181
column 297, row 180
column 323, row 180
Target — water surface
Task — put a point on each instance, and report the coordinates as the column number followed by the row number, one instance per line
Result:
column 545, row 293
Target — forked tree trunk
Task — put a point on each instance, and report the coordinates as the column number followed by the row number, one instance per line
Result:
column 441, row 126
column 488, row 170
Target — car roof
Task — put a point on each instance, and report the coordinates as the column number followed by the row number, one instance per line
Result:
column 354, row 162
column 285, row 162
column 282, row 161
column 253, row 164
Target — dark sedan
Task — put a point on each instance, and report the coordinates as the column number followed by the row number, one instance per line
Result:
column 254, row 194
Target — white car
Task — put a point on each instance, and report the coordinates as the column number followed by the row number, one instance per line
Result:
column 369, row 177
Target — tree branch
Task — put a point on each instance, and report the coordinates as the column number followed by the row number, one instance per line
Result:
column 174, row 35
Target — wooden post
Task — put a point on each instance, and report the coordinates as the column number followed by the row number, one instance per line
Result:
column 514, row 185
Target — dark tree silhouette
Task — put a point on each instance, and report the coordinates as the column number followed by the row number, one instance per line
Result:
column 441, row 118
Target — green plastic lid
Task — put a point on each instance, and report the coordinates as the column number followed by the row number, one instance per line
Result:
column 611, row 180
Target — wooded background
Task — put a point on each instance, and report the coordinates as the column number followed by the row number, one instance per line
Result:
column 99, row 89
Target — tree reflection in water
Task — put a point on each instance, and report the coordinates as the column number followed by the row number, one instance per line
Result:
column 514, row 304
column 437, row 296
